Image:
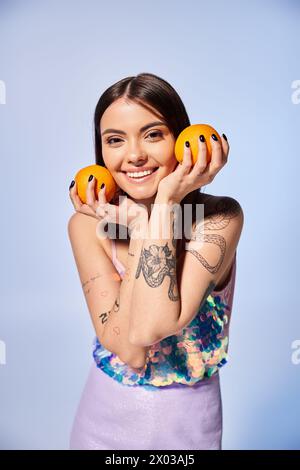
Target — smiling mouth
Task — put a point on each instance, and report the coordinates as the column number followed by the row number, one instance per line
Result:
column 139, row 179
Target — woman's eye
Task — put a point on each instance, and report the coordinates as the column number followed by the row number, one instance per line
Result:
column 109, row 141
column 154, row 133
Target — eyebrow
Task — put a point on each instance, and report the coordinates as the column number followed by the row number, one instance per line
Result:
column 142, row 129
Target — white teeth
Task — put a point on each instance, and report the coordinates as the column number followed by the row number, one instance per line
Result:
column 140, row 173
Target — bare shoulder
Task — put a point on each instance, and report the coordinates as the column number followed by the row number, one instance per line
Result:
column 79, row 220
column 220, row 206
column 82, row 226
column 83, row 229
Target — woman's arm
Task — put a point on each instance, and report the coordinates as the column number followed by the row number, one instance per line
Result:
column 108, row 299
column 117, row 327
column 155, row 297
column 166, row 298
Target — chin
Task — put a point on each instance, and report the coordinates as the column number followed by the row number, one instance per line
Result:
column 139, row 196
column 140, row 193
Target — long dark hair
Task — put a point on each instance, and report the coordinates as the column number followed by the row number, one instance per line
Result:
column 153, row 93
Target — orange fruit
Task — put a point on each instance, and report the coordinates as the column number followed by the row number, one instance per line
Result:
column 102, row 175
column 192, row 134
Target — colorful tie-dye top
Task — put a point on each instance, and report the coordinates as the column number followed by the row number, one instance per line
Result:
column 197, row 352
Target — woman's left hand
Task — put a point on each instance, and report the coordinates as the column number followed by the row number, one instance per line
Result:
column 186, row 177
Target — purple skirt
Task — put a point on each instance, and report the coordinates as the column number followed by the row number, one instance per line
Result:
column 114, row 416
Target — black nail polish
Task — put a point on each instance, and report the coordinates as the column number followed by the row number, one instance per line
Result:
column 90, row 177
column 72, row 184
column 102, row 185
column 202, row 138
column 187, row 144
column 214, row 137
column 224, row 136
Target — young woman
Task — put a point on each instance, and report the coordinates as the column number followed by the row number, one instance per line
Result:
column 160, row 304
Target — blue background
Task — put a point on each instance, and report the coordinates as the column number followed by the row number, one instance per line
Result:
column 233, row 64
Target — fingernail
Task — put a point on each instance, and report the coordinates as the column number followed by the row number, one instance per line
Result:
column 224, row 137
column 72, row 184
column 90, row 177
column 214, row 137
column 102, row 185
column 187, row 144
column 202, row 138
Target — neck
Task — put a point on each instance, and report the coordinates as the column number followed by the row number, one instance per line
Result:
column 147, row 203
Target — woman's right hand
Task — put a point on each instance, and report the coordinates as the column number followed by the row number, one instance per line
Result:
column 126, row 212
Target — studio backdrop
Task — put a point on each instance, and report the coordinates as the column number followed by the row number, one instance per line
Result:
column 235, row 65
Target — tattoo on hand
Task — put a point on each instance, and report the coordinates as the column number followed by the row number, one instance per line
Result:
column 156, row 263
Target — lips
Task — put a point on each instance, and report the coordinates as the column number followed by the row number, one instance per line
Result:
column 136, row 170
column 140, row 179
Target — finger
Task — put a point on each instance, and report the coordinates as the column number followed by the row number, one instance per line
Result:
column 187, row 157
column 75, row 199
column 102, row 195
column 201, row 162
column 217, row 154
column 90, row 191
column 102, row 209
column 225, row 147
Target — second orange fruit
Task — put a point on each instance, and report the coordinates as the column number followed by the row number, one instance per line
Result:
column 192, row 134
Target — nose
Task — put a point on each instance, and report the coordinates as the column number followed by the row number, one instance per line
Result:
column 136, row 155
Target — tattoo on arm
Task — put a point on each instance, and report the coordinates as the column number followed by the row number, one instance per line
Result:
column 104, row 317
column 85, row 284
column 156, row 263
column 174, row 241
column 217, row 240
column 224, row 210
column 115, row 308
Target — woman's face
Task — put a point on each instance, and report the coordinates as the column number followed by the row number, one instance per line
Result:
column 127, row 147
